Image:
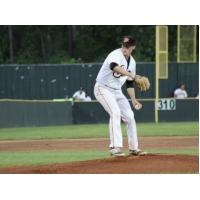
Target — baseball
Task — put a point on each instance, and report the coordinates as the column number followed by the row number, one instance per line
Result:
column 137, row 107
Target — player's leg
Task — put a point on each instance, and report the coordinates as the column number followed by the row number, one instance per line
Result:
column 128, row 117
column 108, row 101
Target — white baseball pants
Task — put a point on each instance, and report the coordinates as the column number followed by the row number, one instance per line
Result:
column 118, row 107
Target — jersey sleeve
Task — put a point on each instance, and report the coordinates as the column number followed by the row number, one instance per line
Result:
column 114, row 58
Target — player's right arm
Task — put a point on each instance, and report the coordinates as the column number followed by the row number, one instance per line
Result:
column 118, row 69
column 131, row 92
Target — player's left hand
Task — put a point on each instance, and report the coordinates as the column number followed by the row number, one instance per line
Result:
column 142, row 82
column 136, row 104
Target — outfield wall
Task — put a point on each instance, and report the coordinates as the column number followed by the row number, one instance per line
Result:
column 54, row 81
column 49, row 113
column 30, row 113
column 186, row 110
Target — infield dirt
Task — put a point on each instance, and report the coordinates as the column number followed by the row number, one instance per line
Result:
column 152, row 163
column 175, row 142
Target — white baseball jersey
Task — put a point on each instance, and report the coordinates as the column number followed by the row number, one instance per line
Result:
column 108, row 92
column 180, row 94
column 112, row 79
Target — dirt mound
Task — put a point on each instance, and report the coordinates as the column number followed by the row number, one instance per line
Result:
column 154, row 163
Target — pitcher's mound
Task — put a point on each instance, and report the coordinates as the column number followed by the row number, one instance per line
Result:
column 152, row 163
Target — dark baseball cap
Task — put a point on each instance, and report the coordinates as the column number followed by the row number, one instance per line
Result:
column 128, row 41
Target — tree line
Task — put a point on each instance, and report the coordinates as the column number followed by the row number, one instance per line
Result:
column 76, row 43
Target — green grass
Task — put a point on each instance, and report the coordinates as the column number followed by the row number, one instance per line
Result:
column 45, row 157
column 194, row 152
column 98, row 131
column 85, row 131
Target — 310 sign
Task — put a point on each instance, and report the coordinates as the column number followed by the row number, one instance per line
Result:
column 166, row 104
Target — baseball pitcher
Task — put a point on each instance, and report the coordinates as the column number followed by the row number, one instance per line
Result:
column 118, row 68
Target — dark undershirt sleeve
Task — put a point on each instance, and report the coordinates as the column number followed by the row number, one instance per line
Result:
column 113, row 65
column 130, row 84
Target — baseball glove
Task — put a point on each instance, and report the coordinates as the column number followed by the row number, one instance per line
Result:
column 142, row 82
